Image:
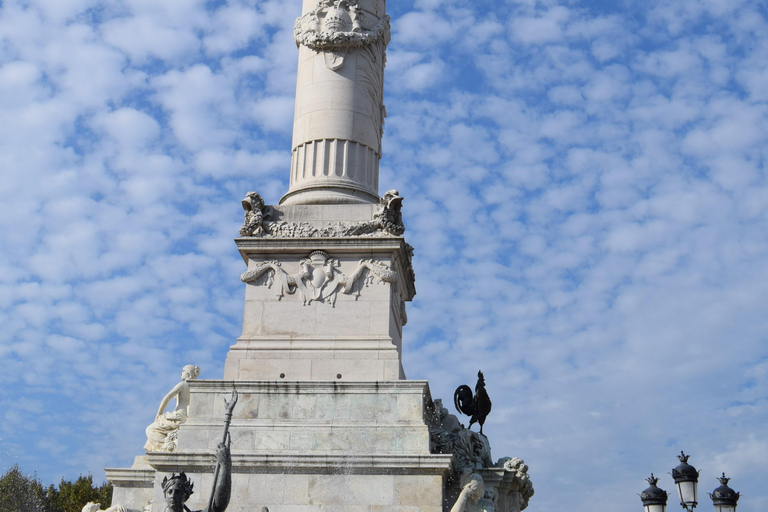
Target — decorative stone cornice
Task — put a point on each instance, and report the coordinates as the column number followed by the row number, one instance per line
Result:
column 307, row 463
column 258, row 222
column 310, row 387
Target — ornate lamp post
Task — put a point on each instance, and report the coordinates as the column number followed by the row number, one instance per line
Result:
column 686, row 479
column 654, row 499
column 724, row 498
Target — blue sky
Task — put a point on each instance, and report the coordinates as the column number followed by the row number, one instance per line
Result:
column 585, row 187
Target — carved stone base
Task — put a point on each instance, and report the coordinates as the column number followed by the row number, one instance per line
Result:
column 304, row 447
column 322, row 308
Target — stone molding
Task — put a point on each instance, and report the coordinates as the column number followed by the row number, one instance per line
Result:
column 314, row 464
column 129, row 477
column 221, row 387
column 323, row 343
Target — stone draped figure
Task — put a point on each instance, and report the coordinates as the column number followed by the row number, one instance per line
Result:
column 162, row 433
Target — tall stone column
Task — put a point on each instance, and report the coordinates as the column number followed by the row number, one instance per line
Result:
column 339, row 110
column 326, row 419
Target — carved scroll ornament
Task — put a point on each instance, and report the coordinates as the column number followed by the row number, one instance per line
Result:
column 319, row 279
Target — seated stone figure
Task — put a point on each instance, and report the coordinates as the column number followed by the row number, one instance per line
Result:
column 177, row 489
column 161, row 434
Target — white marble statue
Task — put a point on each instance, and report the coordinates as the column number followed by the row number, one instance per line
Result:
column 161, row 434
column 95, row 507
column 471, row 493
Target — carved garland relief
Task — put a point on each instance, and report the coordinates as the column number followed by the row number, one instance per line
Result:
column 320, row 278
column 335, row 26
column 388, row 221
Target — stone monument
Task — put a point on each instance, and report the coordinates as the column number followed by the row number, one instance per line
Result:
column 326, row 419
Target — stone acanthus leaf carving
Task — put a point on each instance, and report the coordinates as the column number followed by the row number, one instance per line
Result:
column 320, row 278
column 387, row 221
column 339, row 25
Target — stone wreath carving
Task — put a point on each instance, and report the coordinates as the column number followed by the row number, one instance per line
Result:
column 336, row 25
column 388, row 221
column 320, row 279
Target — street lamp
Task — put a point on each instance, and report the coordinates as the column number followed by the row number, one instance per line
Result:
column 724, row 498
column 686, row 479
column 654, row 499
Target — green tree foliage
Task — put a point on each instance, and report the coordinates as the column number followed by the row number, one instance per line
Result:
column 23, row 493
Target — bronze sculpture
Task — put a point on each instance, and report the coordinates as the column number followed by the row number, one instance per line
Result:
column 177, row 489
column 478, row 406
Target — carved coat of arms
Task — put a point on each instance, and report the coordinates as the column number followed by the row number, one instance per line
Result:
column 319, row 278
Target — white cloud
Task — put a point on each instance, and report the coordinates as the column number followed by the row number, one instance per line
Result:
column 586, row 193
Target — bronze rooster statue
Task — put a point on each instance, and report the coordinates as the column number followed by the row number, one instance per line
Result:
column 478, row 406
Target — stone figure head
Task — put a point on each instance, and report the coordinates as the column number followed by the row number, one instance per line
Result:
column 190, row 372
column 91, row 507
column 177, row 489
column 476, row 486
column 392, row 199
column 252, row 202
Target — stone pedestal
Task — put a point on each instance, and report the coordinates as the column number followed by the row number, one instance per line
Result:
column 322, row 307
column 303, row 446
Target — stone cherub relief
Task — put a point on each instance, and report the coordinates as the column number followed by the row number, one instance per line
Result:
column 319, row 278
column 510, row 488
column 163, row 432
column 387, row 221
column 336, row 26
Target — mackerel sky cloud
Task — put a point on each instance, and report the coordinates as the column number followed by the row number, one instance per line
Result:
column 585, row 188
